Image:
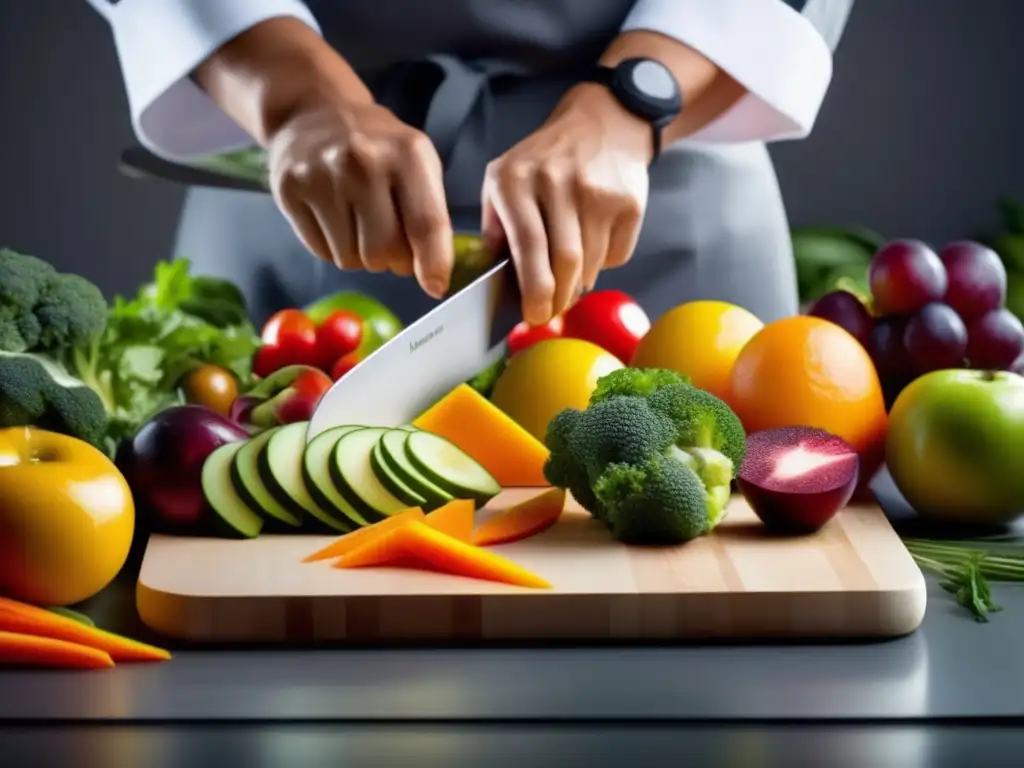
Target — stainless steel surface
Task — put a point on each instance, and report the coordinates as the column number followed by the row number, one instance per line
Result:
column 450, row 344
column 139, row 161
column 535, row 745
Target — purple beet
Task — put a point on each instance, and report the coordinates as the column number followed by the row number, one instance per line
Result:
column 163, row 463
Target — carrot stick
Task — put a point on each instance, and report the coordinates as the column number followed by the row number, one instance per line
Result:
column 455, row 518
column 351, row 540
column 27, row 619
column 441, row 552
column 32, row 651
column 528, row 518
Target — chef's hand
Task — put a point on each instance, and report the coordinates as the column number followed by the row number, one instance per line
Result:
column 361, row 188
column 364, row 190
column 569, row 199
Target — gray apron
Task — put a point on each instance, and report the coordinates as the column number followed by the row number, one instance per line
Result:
column 715, row 226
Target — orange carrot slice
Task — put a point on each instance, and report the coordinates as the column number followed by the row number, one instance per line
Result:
column 32, row 651
column 350, row 541
column 525, row 519
column 21, row 618
column 455, row 518
column 441, row 552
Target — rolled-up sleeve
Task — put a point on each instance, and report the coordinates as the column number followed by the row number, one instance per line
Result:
column 159, row 43
column 780, row 51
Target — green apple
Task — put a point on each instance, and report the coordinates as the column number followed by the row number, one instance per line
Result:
column 380, row 324
column 955, row 443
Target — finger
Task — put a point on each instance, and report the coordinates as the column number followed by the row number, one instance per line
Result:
column 419, row 190
column 338, row 227
column 307, row 228
column 622, row 241
column 379, row 235
column 565, row 240
column 596, row 239
column 515, row 202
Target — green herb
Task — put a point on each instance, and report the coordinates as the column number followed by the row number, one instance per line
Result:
column 175, row 323
column 967, row 567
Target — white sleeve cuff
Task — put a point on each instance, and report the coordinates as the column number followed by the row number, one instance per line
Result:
column 159, row 43
column 772, row 50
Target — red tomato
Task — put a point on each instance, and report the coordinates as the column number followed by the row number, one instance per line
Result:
column 339, row 334
column 292, row 336
column 610, row 319
column 267, row 360
column 305, row 393
column 344, row 364
column 523, row 335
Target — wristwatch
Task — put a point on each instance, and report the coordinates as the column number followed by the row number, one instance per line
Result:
column 646, row 88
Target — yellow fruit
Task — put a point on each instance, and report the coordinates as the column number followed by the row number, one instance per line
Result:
column 66, row 518
column 549, row 377
column 699, row 339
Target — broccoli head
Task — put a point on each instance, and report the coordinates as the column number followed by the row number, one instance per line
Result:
column 656, row 502
column 42, row 309
column 641, row 382
column 35, row 391
column 627, row 453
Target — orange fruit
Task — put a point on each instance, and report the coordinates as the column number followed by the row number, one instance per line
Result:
column 805, row 371
column 699, row 339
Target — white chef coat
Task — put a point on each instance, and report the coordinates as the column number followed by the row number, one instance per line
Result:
column 715, row 225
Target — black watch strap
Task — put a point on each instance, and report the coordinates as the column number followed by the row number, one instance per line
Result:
column 657, row 112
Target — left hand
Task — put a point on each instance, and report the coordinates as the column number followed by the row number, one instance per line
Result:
column 569, row 199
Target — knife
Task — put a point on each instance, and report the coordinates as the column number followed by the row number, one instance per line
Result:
column 138, row 161
column 453, row 342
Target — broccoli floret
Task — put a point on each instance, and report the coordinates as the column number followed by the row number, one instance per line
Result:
column 44, row 310
column 35, row 391
column 667, row 459
column 641, row 382
column 660, row 501
column 562, row 469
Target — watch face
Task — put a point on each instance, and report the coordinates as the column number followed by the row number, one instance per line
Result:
column 653, row 80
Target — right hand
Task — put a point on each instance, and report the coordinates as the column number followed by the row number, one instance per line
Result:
column 363, row 190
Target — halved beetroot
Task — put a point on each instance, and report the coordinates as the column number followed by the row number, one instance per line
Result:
column 797, row 478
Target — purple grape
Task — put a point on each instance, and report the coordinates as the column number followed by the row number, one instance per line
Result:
column 887, row 351
column 995, row 340
column 977, row 279
column 904, row 276
column 935, row 338
column 847, row 311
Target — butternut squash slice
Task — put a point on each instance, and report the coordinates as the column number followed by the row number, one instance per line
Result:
column 464, row 417
column 344, row 544
column 416, row 542
column 525, row 519
column 456, row 518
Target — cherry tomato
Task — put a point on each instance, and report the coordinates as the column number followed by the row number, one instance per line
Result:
column 303, row 395
column 523, row 335
column 293, row 337
column 211, row 386
column 339, row 334
column 344, row 364
column 610, row 319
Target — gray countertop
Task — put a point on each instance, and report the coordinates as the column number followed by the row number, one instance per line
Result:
column 951, row 667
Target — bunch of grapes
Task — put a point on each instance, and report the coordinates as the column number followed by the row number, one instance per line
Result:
column 930, row 311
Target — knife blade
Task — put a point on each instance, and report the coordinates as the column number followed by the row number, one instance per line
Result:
column 139, row 161
column 450, row 344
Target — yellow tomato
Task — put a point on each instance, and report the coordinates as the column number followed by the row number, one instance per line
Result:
column 66, row 518
column 699, row 339
column 548, row 377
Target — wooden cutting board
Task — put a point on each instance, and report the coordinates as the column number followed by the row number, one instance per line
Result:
column 852, row 579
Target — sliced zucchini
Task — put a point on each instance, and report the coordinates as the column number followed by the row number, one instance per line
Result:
column 390, row 451
column 352, row 473
column 451, row 468
column 393, row 481
column 280, row 467
column 252, row 489
column 316, row 474
column 234, row 515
